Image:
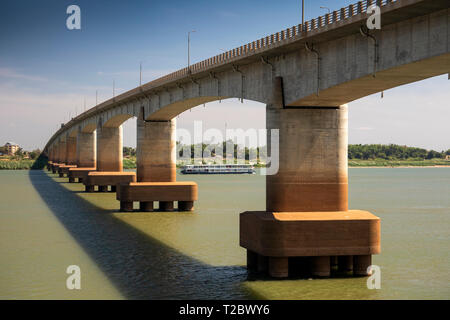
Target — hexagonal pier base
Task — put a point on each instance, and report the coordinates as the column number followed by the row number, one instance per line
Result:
column 64, row 170
column 105, row 179
column 80, row 173
column 55, row 167
column 185, row 193
column 274, row 239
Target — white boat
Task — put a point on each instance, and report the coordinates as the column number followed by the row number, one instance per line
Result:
column 218, row 169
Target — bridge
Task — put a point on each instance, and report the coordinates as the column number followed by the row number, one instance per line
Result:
column 305, row 75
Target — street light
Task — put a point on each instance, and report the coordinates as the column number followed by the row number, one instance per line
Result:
column 303, row 14
column 140, row 73
column 189, row 49
column 325, row 8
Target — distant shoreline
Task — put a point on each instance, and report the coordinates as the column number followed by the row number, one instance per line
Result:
column 431, row 166
column 352, row 163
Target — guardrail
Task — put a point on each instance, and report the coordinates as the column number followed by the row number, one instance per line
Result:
column 266, row 42
column 263, row 43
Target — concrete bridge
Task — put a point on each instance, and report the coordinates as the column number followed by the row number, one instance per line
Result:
column 305, row 75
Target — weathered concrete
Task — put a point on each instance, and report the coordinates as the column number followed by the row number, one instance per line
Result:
column 164, row 192
column 80, row 173
column 312, row 169
column 64, row 170
column 109, row 149
column 306, row 234
column 86, row 149
column 156, row 171
column 55, row 167
column 62, row 150
column 360, row 264
column 156, row 151
column 55, row 156
column 307, row 199
column 71, row 150
column 104, row 179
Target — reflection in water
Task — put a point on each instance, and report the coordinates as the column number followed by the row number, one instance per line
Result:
column 140, row 266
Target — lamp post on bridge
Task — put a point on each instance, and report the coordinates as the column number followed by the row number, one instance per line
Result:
column 303, row 15
column 189, row 50
column 326, row 8
column 140, row 73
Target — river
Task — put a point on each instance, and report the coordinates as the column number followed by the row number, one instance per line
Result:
column 47, row 224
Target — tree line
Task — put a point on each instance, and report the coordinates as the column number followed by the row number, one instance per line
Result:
column 392, row 152
column 355, row 151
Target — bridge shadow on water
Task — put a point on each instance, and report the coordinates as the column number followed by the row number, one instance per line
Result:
column 139, row 266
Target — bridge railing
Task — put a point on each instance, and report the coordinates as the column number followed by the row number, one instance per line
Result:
column 273, row 39
column 269, row 41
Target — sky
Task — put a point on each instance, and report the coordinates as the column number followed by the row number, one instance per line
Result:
column 49, row 73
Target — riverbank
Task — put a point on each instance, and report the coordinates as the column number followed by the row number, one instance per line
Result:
column 23, row 164
column 398, row 163
column 130, row 163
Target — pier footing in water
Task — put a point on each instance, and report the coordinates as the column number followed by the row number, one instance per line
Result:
column 166, row 193
column 287, row 243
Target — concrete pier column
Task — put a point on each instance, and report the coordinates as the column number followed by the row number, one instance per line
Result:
column 360, row 265
column 252, row 260
column 262, row 263
column 279, row 267
column 345, row 263
column 56, row 152
column 126, row 206
column 62, row 151
column 109, row 148
column 86, row 153
column 71, row 150
column 312, row 164
column 146, row 206
column 55, row 156
column 166, row 206
column 185, row 205
column 334, row 262
column 320, row 266
column 156, row 150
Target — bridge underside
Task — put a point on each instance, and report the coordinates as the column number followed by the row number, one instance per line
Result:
column 377, row 82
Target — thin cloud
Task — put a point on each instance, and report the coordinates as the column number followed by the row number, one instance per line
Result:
column 13, row 74
column 147, row 75
column 364, row 128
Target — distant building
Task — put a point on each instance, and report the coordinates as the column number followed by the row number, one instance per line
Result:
column 11, row 148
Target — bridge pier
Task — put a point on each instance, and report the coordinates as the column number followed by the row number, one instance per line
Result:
column 85, row 156
column 55, row 157
column 156, row 170
column 109, row 161
column 62, row 155
column 71, row 149
column 307, row 199
column 109, row 149
column 86, row 144
column 155, row 156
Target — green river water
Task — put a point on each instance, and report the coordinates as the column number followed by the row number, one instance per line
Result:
column 47, row 224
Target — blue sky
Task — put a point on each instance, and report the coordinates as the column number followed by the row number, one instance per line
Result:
column 48, row 71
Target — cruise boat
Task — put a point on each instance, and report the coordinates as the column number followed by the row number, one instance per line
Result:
column 218, row 169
